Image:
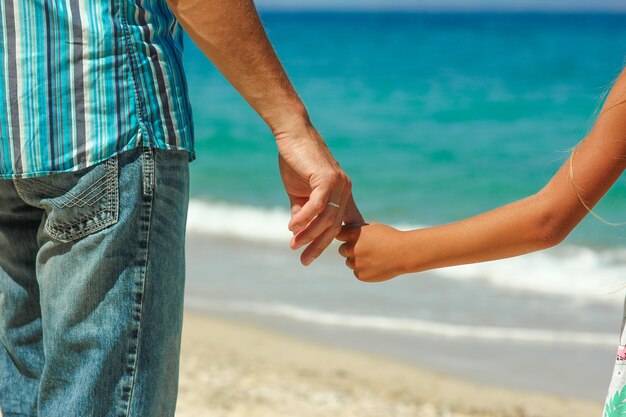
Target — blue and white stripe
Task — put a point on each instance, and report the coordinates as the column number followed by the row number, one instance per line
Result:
column 83, row 80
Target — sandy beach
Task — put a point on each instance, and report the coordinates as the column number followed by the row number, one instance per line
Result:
column 231, row 369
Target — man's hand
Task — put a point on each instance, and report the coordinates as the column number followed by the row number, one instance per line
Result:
column 319, row 191
column 231, row 35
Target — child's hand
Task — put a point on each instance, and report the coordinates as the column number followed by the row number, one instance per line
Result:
column 374, row 251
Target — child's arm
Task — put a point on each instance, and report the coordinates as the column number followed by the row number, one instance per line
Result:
column 377, row 252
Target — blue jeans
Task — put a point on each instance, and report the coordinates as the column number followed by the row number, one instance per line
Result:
column 91, row 288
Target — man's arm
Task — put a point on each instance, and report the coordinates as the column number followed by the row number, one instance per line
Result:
column 231, row 35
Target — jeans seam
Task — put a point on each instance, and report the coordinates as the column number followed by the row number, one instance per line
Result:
column 65, row 236
column 147, row 171
column 20, row 193
column 114, row 190
column 140, row 297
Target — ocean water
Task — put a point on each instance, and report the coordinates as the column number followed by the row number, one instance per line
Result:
column 436, row 117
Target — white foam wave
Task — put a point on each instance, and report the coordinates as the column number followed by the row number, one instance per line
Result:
column 242, row 222
column 572, row 271
column 405, row 325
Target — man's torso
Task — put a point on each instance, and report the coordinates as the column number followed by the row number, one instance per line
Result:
column 83, row 80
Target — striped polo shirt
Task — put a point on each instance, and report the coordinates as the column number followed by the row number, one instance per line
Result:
column 83, row 80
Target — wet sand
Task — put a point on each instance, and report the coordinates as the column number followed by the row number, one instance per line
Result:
column 231, row 369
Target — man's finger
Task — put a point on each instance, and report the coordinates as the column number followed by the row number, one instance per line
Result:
column 296, row 203
column 323, row 234
column 352, row 215
column 349, row 233
column 329, row 218
column 313, row 207
column 315, row 248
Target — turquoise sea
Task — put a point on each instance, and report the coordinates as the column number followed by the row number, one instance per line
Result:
column 436, row 117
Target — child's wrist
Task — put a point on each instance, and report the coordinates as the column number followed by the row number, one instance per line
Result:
column 410, row 253
column 407, row 261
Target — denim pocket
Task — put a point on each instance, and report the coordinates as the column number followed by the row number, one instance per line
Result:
column 77, row 203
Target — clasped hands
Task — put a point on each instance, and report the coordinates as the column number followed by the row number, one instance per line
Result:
column 323, row 208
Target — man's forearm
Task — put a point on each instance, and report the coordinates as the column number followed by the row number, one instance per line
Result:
column 231, row 35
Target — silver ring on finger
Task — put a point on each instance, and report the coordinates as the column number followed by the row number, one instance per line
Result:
column 333, row 204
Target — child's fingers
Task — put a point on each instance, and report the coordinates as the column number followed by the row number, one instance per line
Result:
column 346, row 250
column 350, row 263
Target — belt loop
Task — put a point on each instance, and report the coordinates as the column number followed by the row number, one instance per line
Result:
column 147, row 167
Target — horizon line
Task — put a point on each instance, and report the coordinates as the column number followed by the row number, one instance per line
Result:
column 409, row 9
